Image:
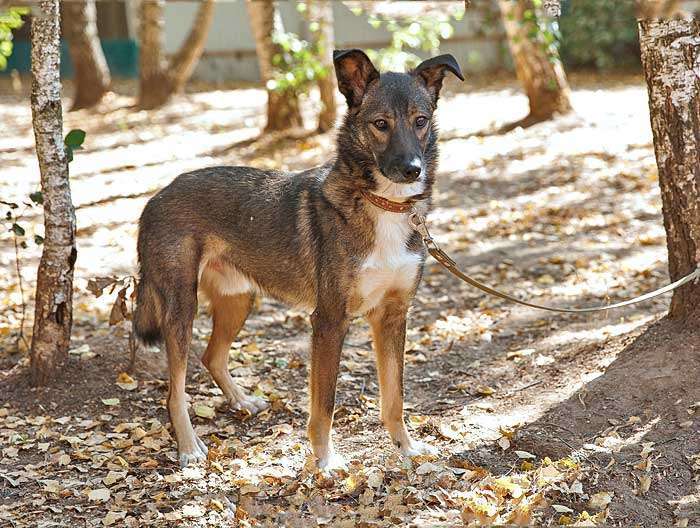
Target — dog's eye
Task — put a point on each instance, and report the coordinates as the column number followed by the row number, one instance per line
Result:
column 421, row 121
column 381, row 124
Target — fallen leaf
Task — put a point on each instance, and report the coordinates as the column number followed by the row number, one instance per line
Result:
column 126, row 382
column 560, row 508
column 426, row 467
column 503, row 443
column 113, row 477
column 599, row 501
column 644, row 484
column 113, row 517
column 51, row 486
column 484, row 390
column 204, row 411
column 99, row 495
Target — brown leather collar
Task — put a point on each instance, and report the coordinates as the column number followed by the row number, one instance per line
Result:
column 389, row 205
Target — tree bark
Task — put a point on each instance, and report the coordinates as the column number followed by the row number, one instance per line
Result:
column 320, row 16
column 539, row 71
column 152, row 86
column 671, row 61
column 54, row 289
column 183, row 63
column 282, row 107
column 159, row 82
column 92, row 77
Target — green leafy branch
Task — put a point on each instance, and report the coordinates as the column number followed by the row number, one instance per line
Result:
column 410, row 33
column 13, row 218
column 73, row 141
column 9, row 19
column 543, row 31
column 296, row 65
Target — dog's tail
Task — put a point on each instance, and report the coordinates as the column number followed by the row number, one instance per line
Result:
column 147, row 316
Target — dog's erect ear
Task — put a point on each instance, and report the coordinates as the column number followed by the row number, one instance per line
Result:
column 355, row 72
column 432, row 72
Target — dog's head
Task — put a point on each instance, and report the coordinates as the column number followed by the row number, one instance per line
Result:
column 390, row 129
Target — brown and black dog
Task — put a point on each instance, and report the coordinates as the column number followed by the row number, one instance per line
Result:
column 335, row 240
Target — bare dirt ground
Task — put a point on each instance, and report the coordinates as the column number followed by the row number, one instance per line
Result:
column 543, row 419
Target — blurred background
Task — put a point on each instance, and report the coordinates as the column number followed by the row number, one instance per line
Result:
column 595, row 34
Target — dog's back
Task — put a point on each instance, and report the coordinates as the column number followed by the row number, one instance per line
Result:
column 232, row 229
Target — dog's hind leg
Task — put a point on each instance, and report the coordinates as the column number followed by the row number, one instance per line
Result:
column 388, row 322
column 229, row 312
column 177, row 334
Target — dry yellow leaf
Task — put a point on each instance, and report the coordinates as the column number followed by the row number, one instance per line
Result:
column 644, row 484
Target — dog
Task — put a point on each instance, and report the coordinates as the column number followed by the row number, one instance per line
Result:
column 334, row 240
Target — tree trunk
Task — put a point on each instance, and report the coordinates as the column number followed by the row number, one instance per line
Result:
column 92, row 78
column 153, row 89
column 539, row 70
column 54, row 288
column 158, row 81
column 671, row 58
column 320, row 16
column 647, row 9
column 282, row 107
column 183, row 63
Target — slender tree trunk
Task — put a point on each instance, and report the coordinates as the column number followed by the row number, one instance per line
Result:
column 671, row 61
column 153, row 89
column 539, row 70
column 282, row 107
column 183, row 63
column 320, row 15
column 54, row 288
column 92, row 77
column 158, row 81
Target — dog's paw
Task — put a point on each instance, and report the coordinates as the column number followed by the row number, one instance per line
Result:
column 195, row 455
column 331, row 463
column 250, row 404
column 417, row 448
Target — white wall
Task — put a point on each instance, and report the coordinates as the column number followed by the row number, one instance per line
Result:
column 230, row 48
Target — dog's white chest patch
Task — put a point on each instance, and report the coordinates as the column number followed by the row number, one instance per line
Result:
column 390, row 265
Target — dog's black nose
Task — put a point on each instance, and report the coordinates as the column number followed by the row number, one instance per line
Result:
column 412, row 169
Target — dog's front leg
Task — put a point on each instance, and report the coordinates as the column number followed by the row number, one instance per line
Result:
column 388, row 322
column 330, row 324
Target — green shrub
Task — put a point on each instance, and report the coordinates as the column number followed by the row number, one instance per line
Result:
column 599, row 33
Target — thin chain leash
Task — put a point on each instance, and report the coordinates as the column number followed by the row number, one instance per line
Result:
column 418, row 223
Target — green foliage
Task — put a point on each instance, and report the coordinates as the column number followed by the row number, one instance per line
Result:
column 296, row 65
column 17, row 230
column 421, row 34
column 13, row 217
column 542, row 30
column 37, row 197
column 599, row 33
column 73, row 141
column 10, row 19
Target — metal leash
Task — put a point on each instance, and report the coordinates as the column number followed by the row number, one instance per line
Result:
column 418, row 223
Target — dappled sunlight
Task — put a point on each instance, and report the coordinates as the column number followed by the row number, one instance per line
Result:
column 565, row 212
